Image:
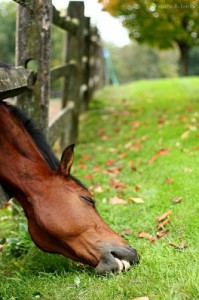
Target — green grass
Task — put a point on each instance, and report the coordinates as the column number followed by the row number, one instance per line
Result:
column 125, row 127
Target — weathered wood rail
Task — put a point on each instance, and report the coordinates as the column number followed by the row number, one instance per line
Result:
column 81, row 71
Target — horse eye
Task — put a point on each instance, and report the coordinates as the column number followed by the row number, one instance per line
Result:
column 88, row 200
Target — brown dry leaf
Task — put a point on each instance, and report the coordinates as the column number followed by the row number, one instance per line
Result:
column 163, row 223
column 96, row 189
column 144, row 235
column 117, row 200
column 86, row 157
column 164, row 216
column 162, row 233
column 136, row 124
column 118, row 185
column 113, row 171
column 126, row 232
column 136, row 200
column 179, row 247
column 142, row 298
column 185, row 135
column 137, row 188
column 123, row 155
column 176, row 200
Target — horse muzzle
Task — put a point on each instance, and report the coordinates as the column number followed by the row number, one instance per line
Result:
column 117, row 259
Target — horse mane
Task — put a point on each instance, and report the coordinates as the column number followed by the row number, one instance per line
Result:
column 38, row 138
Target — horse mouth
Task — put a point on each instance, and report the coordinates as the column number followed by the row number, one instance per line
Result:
column 117, row 261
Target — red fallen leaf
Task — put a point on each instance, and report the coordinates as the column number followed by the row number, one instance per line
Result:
column 162, row 233
column 164, row 216
column 101, row 131
column 179, row 247
column 89, row 176
column 153, row 239
column 117, row 184
column 176, row 200
column 159, row 153
column 87, row 157
column 169, row 180
column 82, row 166
column 117, row 200
column 109, row 162
column 144, row 235
column 162, row 224
column 136, row 123
column 127, row 232
column 183, row 119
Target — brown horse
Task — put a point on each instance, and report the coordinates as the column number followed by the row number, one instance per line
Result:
column 62, row 217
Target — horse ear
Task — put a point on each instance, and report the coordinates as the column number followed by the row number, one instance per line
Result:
column 66, row 160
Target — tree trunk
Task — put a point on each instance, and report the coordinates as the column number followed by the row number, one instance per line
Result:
column 184, row 59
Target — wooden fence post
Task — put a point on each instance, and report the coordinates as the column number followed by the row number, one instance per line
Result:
column 72, row 85
column 33, row 43
column 86, row 65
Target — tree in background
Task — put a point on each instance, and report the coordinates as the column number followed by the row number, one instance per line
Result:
column 160, row 23
column 142, row 62
column 7, row 32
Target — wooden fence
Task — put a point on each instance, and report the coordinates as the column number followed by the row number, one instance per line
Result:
column 82, row 70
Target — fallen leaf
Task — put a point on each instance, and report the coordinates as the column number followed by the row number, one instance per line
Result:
column 136, row 200
column 118, row 185
column 164, row 216
column 109, row 162
column 136, row 124
column 87, row 157
column 144, row 235
column 142, row 298
column 77, row 281
column 89, row 176
column 162, row 224
column 169, row 180
column 183, row 119
column 137, row 188
column 117, row 200
column 179, row 247
column 123, row 155
column 158, row 154
column 176, row 200
column 162, row 233
column 127, row 232
column 185, row 135
column 114, row 171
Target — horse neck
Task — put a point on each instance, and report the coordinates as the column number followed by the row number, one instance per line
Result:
column 21, row 164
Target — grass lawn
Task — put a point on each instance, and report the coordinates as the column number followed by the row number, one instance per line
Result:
column 137, row 141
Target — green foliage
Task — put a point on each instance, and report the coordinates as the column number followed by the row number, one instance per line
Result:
column 146, row 116
column 7, row 32
column 160, row 23
column 135, row 62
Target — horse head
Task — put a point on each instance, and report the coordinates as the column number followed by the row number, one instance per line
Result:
column 67, row 222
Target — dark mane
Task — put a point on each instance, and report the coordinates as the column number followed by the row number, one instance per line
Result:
column 38, row 137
